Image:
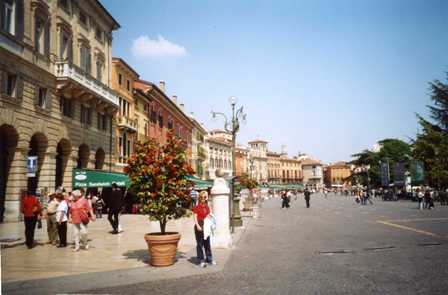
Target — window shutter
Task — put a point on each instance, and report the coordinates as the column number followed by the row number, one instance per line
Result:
column 36, row 94
column 48, row 99
column 20, row 19
column 89, row 63
column 19, row 87
column 47, row 40
column 2, row 82
column 70, row 50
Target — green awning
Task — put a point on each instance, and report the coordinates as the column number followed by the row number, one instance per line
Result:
column 96, row 178
column 200, row 184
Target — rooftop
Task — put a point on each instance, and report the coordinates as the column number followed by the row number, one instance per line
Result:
column 308, row 162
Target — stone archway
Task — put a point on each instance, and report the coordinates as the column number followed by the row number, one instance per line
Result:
column 63, row 152
column 83, row 156
column 8, row 144
column 100, row 155
column 38, row 147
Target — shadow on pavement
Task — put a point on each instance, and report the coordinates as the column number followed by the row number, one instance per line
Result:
column 142, row 255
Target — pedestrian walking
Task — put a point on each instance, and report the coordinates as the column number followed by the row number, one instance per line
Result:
column 99, row 204
column 201, row 212
column 443, row 197
column 80, row 215
column 367, row 198
column 307, row 197
column 431, row 200
column 61, row 218
column 285, row 200
column 427, row 198
column 420, row 196
column 114, row 202
column 52, row 225
column 32, row 211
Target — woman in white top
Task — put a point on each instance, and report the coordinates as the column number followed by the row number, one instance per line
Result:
column 61, row 218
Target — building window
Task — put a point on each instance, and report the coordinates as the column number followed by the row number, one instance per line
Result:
column 42, row 97
column 85, row 58
column 170, row 124
column 99, row 34
column 86, row 115
column 65, row 106
column 8, row 17
column 160, row 120
column 119, row 79
column 153, row 117
column 41, row 35
column 99, row 69
column 128, row 85
column 146, row 129
column 124, row 107
column 83, row 19
column 65, row 47
column 63, row 4
column 101, row 122
column 11, row 85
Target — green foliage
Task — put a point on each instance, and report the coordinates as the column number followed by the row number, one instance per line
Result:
column 158, row 174
column 431, row 145
column 393, row 150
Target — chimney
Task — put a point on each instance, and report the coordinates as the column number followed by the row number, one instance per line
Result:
column 174, row 98
column 162, row 86
column 182, row 106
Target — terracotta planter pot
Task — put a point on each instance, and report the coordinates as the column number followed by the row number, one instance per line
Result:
column 162, row 248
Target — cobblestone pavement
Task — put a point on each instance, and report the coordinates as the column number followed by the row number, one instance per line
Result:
column 335, row 247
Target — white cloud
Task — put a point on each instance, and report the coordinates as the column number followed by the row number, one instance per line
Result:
column 144, row 46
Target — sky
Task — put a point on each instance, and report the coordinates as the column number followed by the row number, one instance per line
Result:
column 324, row 77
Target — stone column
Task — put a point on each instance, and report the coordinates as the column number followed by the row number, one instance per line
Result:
column 220, row 208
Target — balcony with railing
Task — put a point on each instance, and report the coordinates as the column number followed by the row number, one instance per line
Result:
column 125, row 122
column 69, row 75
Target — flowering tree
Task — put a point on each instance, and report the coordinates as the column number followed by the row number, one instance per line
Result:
column 247, row 182
column 158, row 174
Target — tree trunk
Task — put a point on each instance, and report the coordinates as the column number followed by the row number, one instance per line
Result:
column 162, row 225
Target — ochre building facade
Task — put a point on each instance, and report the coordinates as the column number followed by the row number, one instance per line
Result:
column 56, row 103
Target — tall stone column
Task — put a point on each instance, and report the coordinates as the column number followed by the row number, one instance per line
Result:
column 220, row 208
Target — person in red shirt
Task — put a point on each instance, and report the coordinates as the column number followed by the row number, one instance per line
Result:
column 32, row 210
column 201, row 211
column 80, row 215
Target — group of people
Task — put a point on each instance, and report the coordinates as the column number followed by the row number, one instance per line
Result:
column 75, row 208
column 425, row 199
column 287, row 196
column 363, row 197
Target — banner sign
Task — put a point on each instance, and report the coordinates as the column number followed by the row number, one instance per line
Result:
column 31, row 166
column 96, row 178
column 417, row 172
column 399, row 171
column 384, row 171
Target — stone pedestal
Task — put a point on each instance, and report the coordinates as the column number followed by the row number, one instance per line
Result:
column 220, row 207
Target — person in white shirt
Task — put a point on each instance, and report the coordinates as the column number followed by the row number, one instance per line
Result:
column 61, row 219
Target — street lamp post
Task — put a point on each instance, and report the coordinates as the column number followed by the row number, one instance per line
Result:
column 233, row 128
